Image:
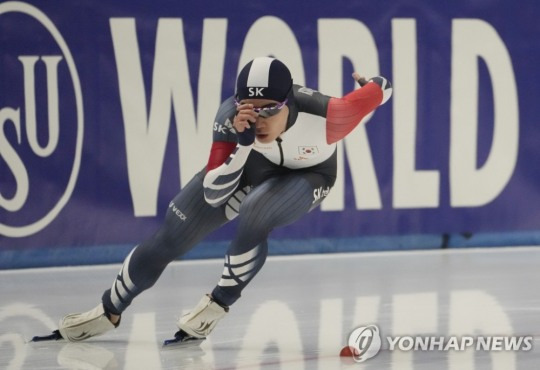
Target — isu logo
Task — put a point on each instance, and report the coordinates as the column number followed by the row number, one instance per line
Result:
column 41, row 121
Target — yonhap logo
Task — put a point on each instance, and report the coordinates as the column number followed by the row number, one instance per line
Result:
column 366, row 341
column 39, row 163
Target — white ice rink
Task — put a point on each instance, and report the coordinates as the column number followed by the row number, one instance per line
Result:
column 296, row 314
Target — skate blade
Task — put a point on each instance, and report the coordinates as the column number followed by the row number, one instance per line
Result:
column 185, row 343
column 54, row 336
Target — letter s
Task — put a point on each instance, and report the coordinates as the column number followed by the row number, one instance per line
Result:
column 13, row 161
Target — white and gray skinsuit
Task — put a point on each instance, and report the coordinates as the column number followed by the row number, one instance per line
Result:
column 265, row 185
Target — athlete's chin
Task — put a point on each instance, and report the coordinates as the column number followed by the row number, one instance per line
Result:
column 264, row 138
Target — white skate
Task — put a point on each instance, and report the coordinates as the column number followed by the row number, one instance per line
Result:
column 80, row 326
column 196, row 325
column 200, row 322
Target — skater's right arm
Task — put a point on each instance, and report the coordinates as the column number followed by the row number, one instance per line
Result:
column 233, row 141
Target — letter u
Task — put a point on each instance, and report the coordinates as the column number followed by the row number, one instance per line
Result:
column 51, row 64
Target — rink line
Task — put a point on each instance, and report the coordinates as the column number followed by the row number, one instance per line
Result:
column 306, row 257
column 142, row 349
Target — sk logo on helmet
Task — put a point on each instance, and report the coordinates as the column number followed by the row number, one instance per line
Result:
column 39, row 162
column 256, row 91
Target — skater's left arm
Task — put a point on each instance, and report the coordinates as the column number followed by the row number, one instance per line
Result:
column 344, row 114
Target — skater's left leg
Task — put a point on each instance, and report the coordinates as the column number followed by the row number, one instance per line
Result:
column 276, row 202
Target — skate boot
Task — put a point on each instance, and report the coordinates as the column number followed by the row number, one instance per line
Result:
column 196, row 325
column 80, row 326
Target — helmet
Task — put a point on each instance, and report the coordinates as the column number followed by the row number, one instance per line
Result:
column 264, row 78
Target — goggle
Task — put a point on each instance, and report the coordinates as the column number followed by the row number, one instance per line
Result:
column 268, row 110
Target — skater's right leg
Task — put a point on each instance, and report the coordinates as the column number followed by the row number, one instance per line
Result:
column 188, row 220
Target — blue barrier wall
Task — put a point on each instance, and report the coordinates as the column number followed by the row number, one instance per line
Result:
column 106, row 110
